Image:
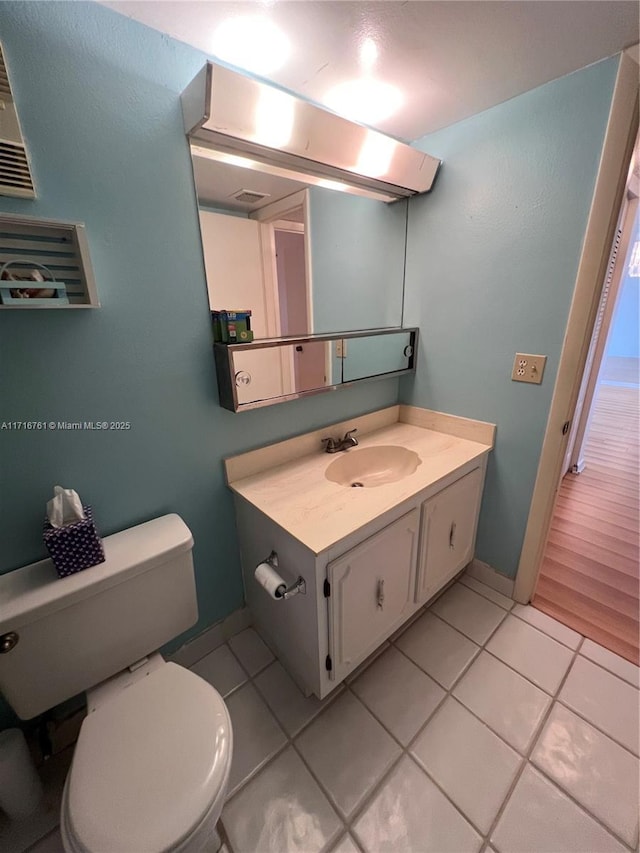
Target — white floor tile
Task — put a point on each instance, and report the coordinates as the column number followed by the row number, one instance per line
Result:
column 548, row 625
column 281, row 809
column 532, row 653
column 539, row 818
column 614, row 663
column 366, row 663
column 438, row 649
column 595, row 771
column 509, row 704
column 348, row 751
column 409, row 814
column 221, row 669
column 472, row 614
column 469, row 762
column 251, row 651
column 346, row 845
column 487, row 592
column 256, row 735
column 292, row 708
column 609, row 703
column 399, row 694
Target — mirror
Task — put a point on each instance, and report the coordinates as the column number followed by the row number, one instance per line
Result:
column 304, row 259
column 270, row 371
column 303, row 217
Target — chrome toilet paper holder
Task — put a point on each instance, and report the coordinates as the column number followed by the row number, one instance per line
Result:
column 297, row 588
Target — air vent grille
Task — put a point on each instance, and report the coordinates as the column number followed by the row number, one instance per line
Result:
column 15, row 174
column 249, row 196
column 5, row 89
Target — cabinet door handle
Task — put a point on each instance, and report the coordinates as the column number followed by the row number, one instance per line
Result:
column 380, row 595
column 452, row 535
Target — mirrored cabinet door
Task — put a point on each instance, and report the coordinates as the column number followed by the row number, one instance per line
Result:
column 266, row 372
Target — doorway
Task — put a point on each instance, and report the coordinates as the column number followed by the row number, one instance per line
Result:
column 589, row 575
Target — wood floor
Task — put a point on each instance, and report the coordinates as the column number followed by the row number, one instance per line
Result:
column 589, row 578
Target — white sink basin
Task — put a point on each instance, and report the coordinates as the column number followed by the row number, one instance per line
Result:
column 373, row 466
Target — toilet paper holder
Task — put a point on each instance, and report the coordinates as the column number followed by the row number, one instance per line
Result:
column 297, row 588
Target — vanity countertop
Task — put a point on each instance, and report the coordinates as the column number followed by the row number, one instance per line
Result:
column 319, row 513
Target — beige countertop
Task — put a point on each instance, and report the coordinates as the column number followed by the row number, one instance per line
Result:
column 319, row 513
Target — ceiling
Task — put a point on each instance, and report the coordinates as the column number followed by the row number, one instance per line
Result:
column 448, row 59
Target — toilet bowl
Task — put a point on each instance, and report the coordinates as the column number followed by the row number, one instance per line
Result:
column 150, row 768
column 151, row 765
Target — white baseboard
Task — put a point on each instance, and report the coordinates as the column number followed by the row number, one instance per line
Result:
column 213, row 637
column 486, row 574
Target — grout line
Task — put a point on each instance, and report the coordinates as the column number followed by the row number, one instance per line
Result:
column 527, row 755
column 610, row 672
column 524, row 758
column 593, row 725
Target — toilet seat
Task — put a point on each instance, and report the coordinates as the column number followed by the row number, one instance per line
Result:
column 149, row 767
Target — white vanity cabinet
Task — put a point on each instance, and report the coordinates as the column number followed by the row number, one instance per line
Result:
column 361, row 589
column 371, row 591
column 448, row 534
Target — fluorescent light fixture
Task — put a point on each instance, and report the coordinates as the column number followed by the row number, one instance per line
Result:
column 252, row 42
column 287, row 172
column 375, row 155
column 365, row 99
column 274, row 118
column 229, row 115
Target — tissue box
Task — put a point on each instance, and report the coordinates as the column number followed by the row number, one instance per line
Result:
column 74, row 547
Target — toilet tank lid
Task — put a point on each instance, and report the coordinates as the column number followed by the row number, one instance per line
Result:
column 34, row 591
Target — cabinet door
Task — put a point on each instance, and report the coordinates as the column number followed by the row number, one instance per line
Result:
column 371, row 592
column 449, row 521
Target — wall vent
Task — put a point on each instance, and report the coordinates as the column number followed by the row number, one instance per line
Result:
column 249, row 196
column 15, row 174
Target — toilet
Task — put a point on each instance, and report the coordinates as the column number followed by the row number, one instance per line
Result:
column 151, row 766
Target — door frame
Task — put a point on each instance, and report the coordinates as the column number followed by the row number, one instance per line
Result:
column 574, row 459
column 611, row 181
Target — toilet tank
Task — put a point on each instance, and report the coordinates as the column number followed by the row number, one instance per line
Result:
column 75, row 632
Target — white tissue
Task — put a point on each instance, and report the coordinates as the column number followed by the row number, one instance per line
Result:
column 270, row 580
column 65, row 507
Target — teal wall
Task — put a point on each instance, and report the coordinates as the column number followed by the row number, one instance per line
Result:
column 357, row 261
column 98, row 98
column 492, row 257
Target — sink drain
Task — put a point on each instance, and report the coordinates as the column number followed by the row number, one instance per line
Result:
column 357, row 485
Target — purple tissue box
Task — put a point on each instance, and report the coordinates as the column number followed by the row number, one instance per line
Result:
column 75, row 547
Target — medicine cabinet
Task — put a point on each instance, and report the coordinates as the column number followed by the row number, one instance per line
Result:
column 270, row 371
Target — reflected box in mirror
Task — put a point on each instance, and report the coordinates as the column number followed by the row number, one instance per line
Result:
column 232, row 327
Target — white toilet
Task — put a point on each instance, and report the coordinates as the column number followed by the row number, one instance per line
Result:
column 151, row 766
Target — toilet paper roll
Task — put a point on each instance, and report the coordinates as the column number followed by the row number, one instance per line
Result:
column 270, row 580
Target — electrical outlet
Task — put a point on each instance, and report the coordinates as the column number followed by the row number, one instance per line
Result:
column 341, row 348
column 528, row 368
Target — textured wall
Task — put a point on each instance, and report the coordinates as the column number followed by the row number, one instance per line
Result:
column 98, row 97
column 492, row 257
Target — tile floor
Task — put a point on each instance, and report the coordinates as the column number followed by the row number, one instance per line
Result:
column 482, row 726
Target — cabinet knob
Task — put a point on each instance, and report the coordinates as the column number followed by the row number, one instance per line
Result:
column 380, row 595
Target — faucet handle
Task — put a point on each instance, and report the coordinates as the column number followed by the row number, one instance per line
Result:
column 349, row 434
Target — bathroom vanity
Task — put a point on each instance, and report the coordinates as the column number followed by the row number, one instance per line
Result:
column 373, row 539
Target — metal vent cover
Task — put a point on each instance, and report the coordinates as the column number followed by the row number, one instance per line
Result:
column 15, row 172
column 249, row 196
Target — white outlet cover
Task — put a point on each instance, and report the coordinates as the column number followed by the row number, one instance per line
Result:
column 528, row 368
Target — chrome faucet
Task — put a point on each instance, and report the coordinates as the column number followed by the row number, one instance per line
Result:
column 335, row 445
